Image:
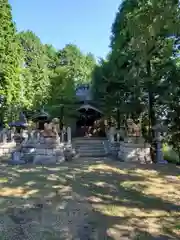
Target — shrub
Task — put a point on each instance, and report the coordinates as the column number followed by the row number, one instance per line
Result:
column 170, row 155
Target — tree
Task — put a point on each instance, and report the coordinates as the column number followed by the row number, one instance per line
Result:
column 79, row 65
column 150, row 27
column 51, row 58
column 68, row 68
column 62, row 98
column 35, row 69
column 141, row 62
column 10, row 60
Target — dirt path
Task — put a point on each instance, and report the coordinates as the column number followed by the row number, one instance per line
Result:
column 90, row 199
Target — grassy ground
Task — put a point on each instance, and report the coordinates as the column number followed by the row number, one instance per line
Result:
column 100, row 198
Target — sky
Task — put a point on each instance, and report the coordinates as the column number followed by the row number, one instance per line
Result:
column 86, row 23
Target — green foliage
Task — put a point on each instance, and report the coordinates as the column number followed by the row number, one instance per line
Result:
column 35, row 70
column 33, row 75
column 68, row 67
column 51, row 57
column 62, row 94
column 79, row 65
column 143, row 64
column 10, row 60
column 170, row 155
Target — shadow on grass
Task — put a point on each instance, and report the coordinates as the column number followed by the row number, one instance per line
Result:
column 108, row 199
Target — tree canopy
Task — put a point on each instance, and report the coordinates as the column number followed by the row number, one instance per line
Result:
column 34, row 74
column 10, row 60
column 143, row 70
column 79, row 65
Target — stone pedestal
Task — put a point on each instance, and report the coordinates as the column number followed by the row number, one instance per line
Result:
column 7, row 148
column 51, row 142
column 48, row 159
column 48, row 152
column 134, row 152
column 134, row 139
column 42, row 147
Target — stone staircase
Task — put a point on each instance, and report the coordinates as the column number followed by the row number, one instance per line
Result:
column 89, row 147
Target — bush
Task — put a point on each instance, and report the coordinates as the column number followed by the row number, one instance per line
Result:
column 170, row 155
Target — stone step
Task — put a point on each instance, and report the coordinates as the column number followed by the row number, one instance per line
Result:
column 89, row 140
column 87, row 144
column 92, row 154
column 89, row 147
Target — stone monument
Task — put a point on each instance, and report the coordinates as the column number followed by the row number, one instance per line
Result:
column 48, row 150
column 44, row 147
column 134, row 148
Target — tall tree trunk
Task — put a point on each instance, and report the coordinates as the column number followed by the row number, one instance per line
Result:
column 152, row 118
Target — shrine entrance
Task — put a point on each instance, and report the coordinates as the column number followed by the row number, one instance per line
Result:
column 87, row 123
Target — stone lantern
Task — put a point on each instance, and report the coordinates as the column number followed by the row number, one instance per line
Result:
column 159, row 128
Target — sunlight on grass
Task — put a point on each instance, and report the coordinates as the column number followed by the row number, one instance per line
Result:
column 16, row 192
column 53, row 177
column 30, row 183
column 128, row 197
column 3, row 180
column 27, row 170
column 135, row 189
column 123, row 211
column 157, row 187
column 106, row 168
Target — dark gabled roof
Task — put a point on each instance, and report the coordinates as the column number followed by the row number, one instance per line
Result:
column 42, row 113
column 88, row 106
